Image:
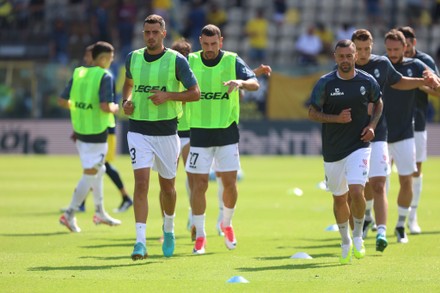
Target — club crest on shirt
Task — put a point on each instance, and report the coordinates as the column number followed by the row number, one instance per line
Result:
column 376, row 73
column 363, row 90
column 409, row 72
column 337, row 92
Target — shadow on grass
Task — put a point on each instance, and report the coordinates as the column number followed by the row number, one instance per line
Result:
column 151, row 242
column 290, row 267
column 122, row 257
column 87, row 268
column 34, row 234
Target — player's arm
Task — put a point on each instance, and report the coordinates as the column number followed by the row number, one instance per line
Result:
column 127, row 88
column 109, row 107
column 106, row 95
column 430, row 91
column 263, row 69
column 245, row 78
column 186, row 76
column 249, row 85
column 63, row 100
column 190, row 95
column 127, row 104
column 376, row 113
column 368, row 133
column 63, row 103
column 408, row 83
column 321, row 117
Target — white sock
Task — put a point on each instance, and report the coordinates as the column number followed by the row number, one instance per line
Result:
column 358, row 225
column 81, row 191
column 368, row 207
column 227, row 216
column 168, row 223
column 98, row 193
column 199, row 223
column 382, row 229
column 417, row 191
column 403, row 213
column 141, row 230
column 344, row 231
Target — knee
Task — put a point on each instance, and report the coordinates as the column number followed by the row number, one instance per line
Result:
column 168, row 192
column 378, row 187
column 141, row 185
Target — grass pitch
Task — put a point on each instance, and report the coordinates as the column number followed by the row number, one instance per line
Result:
column 272, row 223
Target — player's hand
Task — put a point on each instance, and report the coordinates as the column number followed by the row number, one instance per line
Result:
column 115, row 108
column 430, row 79
column 158, row 97
column 263, row 69
column 128, row 107
column 367, row 134
column 345, row 116
column 233, row 85
column 73, row 137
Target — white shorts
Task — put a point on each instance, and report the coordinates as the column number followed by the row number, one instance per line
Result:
column 421, row 138
column 226, row 158
column 92, row 155
column 157, row 152
column 183, row 142
column 403, row 154
column 353, row 169
column 379, row 160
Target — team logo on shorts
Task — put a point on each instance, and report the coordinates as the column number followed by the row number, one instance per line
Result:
column 365, row 162
column 363, row 90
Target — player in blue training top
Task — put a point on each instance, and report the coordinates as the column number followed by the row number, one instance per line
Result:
column 399, row 107
column 340, row 102
column 383, row 71
column 420, row 134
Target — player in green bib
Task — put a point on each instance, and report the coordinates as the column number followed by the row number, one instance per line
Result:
column 214, row 129
column 152, row 98
column 89, row 97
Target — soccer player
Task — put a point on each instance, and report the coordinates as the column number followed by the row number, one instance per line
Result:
column 399, row 109
column 89, row 97
column 375, row 190
column 153, row 100
column 420, row 134
column 340, row 102
column 214, row 129
column 110, row 170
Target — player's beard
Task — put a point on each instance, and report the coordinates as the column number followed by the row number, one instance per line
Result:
column 209, row 55
column 345, row 67
column 152, row 45
column 397, row 60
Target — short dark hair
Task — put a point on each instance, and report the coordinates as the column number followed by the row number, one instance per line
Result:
column 211, row 30
column 101, row 47
column 408, row 32
column 182, row 46
column 344, row 44
column 154, row 18
column 361, row 35
column 395, row 35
